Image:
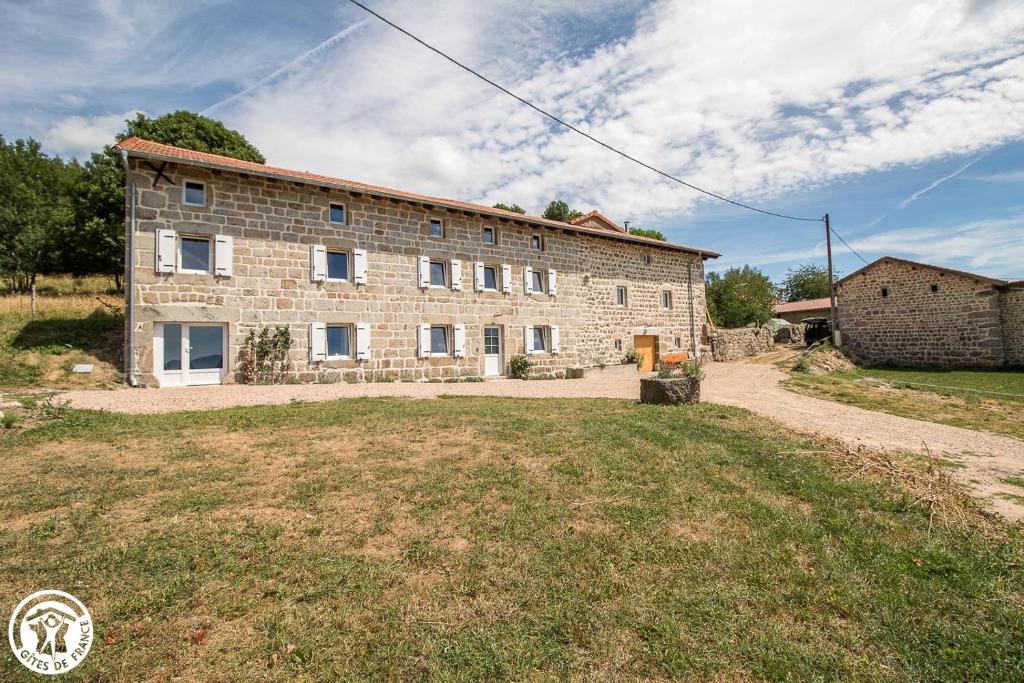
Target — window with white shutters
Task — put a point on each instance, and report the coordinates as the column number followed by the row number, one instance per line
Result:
column 363, row 341
column 456, row 274
column 166, row 251
column 317, row 342
column 317, row 262
column 223, row 255
column 359, row 265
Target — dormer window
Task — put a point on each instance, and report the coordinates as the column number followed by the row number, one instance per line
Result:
column 193, row 193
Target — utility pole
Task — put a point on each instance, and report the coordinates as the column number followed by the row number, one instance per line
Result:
column 831, row 280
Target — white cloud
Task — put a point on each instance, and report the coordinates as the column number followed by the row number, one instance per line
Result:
column 78, row 136
column 747, row 99
column 993, row 247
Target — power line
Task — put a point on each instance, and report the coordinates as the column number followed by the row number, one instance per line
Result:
column 852, row 250
column 577, row 130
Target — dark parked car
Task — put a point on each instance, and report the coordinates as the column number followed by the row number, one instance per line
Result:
column 816, row 329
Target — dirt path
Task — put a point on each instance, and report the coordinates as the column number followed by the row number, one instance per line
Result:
column 982, row 460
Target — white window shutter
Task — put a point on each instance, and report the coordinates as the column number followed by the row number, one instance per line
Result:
column 555, row 339
column 479, row 270
column 459, row 333
column 528, row 339
column 456, row 274
column 424, row 339
column 528, row 279
column 424, row 272
column 552, row 281
column 317, row 342
column 165, row 251
column 506, row 278
column 359, row 265
column 223, row 255
column 317, row 262
column 363, row 341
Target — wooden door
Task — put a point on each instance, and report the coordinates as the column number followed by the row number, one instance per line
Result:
column 647, row 346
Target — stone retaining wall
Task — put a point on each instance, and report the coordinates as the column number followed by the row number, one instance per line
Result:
column 729, row 345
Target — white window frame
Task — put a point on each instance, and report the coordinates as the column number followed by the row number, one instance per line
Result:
column 448, row 341
column 494, row 235
column 625, row 296
column 209, row 250
column 440, row 222
column 617, row 345
column 351, row 341
column 447, row 274
column 184, row 192
column 497, row 278
column 542, row 274
column 540, row 241
column 344, row 213
column 666, row 299
column 327, row 265
column 545, row 337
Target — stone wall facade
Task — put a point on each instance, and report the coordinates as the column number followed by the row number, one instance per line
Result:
column 729, row 345
column 274, row 222
column 1011, row 307
column 895, row 313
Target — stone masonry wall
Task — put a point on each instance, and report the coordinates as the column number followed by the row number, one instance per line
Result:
column 1011, row 306
column 956, row 326
column 273, row 222
column 729, row 345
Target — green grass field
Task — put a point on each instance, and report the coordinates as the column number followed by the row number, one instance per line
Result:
column 986, row 400
column 486, row 539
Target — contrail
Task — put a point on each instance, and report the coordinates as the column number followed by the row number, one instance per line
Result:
column 340, row 35
column 912, row 198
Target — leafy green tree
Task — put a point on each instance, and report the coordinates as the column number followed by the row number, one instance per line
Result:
column 739, row 297
column 192, row 131
column 644, row 232
column 559, row 211
column 35, row 211
column 804, row 282
column 514, row 208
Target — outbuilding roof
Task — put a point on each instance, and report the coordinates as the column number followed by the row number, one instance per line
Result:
column 147, row 149
column 805, row 305
column 951, row 271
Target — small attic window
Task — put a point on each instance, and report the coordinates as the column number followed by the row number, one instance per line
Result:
column 885, row 292
column 935, row 288
column 645, row 258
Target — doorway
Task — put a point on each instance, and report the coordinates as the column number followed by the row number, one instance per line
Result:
column 189, row 354
column 647, row 346
column 492, row 351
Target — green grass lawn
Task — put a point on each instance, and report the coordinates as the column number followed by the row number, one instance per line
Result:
column 986, row 400
column 485, row 539
column 40, row 351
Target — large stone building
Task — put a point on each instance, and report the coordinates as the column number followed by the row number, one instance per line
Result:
column 376, row 283
column 895, row 312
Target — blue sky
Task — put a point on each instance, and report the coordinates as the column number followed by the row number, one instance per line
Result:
column 904, row 121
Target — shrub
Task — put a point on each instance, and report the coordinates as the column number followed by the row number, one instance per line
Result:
column 9, row 420
column 682, row 370
column 519, row 367
column 633, row 357
column 263, row 356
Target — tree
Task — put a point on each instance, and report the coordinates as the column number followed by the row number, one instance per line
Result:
column 559, row 211
column 35, row 211
column 739, row 297
column 514, row 208
column 804, row 282
column 644, row 232
column 192, row 131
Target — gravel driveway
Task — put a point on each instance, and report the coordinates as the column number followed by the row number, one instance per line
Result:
column 986, row 459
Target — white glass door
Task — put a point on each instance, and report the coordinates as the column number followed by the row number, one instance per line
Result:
column 186, row 355
column 492, row 351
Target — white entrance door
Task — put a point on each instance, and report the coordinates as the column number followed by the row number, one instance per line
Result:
column 188, row 355
column 492, row 351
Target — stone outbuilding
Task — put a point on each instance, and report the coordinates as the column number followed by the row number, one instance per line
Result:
column 896, row 312
column 795, row 311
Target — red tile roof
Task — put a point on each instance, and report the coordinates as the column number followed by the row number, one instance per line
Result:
column 147, row 149
column 600, row 219
column 806, row 305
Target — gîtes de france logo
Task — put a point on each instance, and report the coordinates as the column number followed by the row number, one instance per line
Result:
column 50, row 632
